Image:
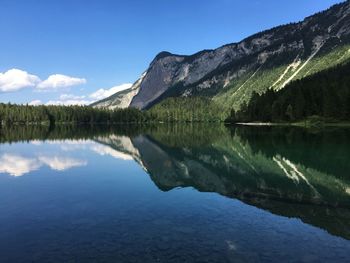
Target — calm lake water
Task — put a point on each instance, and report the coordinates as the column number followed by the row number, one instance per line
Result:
column 186, row 193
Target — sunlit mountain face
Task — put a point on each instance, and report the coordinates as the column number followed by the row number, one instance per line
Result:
column 130, row 177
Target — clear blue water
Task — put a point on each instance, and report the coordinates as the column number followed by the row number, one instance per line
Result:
column 215, row 195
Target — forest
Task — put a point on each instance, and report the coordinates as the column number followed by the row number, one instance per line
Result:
column 26, row 114
column 325, row 95
column 196, row 109
column 182, row 109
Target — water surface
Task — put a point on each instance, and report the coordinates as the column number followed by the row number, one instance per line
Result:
column 185, row 193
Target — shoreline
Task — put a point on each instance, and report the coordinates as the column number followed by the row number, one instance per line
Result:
column 257, row 123
column 298, row 124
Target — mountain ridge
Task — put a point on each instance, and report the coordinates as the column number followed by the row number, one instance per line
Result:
column 266, row 60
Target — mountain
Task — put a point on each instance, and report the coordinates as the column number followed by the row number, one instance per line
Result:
column 322, row 97
column 239, row 163
column 229, row 74
column 293, row 173
column 121, row 99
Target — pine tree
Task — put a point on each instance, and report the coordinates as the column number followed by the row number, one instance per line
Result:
column 290, row 113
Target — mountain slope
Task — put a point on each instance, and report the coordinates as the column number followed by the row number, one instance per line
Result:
column 267, row 60
column 121, row 99
column 325, row 94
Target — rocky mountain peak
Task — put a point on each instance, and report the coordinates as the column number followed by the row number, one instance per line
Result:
column 269, row 59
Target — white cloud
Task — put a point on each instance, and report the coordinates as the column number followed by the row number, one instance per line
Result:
column 35, row 102
column 36, row 142
column 59, row 81
column 68, row 102
column 70, row 142
column 104, row 93
column 16, row 79
column 70, row 97
column 17, row 165
column 105, row 150
column 61, row 163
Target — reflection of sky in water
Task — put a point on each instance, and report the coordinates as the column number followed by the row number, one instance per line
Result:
column 57, row 155
column 104, row 208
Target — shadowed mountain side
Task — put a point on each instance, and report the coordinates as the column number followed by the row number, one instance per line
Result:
column 325, row 150
column 287, row 171
column 228, row 166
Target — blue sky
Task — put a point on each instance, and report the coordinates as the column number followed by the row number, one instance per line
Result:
column 67, row 50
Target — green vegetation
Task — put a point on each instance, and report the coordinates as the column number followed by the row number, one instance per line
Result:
column 322, row 97
column 170, row 110
column 19, row 133
column 182, row 109
column 49, row 115
column 276, row 71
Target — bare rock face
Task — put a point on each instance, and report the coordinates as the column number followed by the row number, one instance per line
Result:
column 156, row 82
column 242, row 66
column 120, row 99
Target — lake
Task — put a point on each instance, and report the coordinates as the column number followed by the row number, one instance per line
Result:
column 174, row 193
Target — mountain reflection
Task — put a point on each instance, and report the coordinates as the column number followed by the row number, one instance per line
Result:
column 287, row 171
column 280, row 170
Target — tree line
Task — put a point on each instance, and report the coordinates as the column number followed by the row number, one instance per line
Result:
column 325, row 94
column 27, row 114
column 184, row 109
column 170, row 110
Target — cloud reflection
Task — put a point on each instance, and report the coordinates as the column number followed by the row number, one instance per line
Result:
column 100, row 149
column 61, row 163
column 105, row 150
column 17, row 165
